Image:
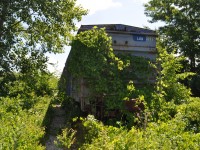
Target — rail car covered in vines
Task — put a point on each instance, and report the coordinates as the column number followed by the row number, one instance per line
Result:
column 128, row 43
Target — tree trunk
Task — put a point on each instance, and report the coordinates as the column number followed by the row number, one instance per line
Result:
column 3, row 17
column 192, row 64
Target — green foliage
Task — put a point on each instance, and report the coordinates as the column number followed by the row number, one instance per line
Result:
column 20, row 128
column 72, row 107
column 92, row 58
column 169, row 78
column 171, row 118
column 181, row 29
column 97, row 57
column 138, row 71
column 162, row 135
column 92, row 128
column 108, row 75
column 191, row 113
column 23, row 111
column 169, row 135
column 169, row 91
column 66, row 139
column 194, row 84
column 44, row 84
column 136, row 68
column 29, row 30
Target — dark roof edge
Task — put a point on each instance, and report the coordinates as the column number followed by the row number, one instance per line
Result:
column 119, row 28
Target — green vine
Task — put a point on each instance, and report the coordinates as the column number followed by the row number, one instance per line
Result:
column 92, row 58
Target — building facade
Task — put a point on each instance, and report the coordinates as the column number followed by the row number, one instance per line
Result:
column 129, row 39
column 125, row 39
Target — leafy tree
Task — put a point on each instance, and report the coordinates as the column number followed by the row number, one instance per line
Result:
column 181, row 29
column 28, row 30
column 169, row 91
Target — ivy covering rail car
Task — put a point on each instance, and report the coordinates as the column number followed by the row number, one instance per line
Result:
column 104, row 61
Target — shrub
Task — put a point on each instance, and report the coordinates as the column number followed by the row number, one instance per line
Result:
column 161, row 135
column 191, row 112
column 21, row 129
column 66, row 139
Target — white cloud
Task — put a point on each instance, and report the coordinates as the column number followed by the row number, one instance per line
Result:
column 96, row 5
column 141, row 1
column 54, row 64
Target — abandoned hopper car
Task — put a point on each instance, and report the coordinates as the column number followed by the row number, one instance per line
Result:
column 129, row 39
column 125, row 39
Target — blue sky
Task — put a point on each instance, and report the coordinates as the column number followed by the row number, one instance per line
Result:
column 129, row 12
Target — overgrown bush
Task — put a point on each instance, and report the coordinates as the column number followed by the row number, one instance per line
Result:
column 191, row 113
column 21, row 129
column 66, row 139
column 169, row 91
column 170, row 119
column 161, row 135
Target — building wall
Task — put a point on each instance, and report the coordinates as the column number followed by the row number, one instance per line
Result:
column 138, row 45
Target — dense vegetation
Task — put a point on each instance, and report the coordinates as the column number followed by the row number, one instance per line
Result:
column 171, row 118
column 30, row 29
column 109, row 76
column 22, row 128
column 180, row 34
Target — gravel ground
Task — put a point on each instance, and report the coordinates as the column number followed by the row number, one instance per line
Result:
column 58, row 122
